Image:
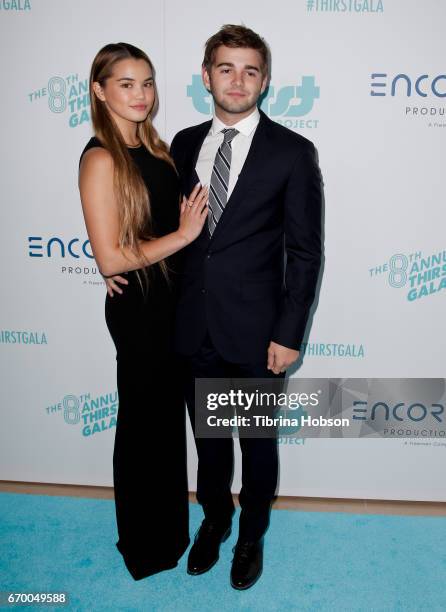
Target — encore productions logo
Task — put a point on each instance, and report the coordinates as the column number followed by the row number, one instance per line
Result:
column 398, row 419
column 66, row 95
column 391, row 408
column 344, row 6
column 418, row 274
column 285, row 105
column 89, row 415
column 15, row 5
column 422, row 94
column 413, row 412
column 75, row 253
column 9, row 336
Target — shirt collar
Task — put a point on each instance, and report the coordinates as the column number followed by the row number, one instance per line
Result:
column 244, row 126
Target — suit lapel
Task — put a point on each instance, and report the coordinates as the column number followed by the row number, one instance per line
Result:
column 190, row 174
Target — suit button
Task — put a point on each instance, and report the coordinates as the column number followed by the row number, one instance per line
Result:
column 203, row 290
column 208, row 256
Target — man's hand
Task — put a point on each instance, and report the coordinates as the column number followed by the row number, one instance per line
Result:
column 280, row 357
column 111, row 284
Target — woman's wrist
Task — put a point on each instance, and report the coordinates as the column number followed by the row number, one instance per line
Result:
column 183, row 237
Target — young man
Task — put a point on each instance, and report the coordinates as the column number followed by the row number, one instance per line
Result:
column 239, row 315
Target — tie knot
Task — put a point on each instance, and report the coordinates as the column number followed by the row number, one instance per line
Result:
column 229, row 134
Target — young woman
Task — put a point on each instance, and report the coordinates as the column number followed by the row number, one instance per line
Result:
column 131, row 202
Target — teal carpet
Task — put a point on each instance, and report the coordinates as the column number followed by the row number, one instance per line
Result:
column 313, row 561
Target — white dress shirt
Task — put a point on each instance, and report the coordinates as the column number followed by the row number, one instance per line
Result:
column 240, row 148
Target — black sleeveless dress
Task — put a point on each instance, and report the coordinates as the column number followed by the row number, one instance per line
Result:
column 149, row 458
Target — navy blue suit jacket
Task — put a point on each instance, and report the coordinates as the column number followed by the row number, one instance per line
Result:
column 236, row 284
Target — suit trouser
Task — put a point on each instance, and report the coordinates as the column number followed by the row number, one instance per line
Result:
column 216, row 455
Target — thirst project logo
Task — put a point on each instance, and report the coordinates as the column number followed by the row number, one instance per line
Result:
column 287, row 105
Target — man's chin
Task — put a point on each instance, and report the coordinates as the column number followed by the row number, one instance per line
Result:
column 237, row 108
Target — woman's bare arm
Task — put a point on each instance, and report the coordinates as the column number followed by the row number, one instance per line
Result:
column 102, row 219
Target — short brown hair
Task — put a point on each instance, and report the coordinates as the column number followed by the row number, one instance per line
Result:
column 236, row 36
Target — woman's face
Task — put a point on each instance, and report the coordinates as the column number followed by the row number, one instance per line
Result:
column 129, row 93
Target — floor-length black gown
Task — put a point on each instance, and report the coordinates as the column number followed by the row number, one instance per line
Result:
column 149, row 459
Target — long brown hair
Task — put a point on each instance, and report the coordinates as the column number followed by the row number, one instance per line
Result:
column 135, row 218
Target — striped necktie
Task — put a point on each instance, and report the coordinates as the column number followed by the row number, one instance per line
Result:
column 218, row 193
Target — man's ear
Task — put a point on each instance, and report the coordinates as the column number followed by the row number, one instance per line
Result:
column 98, row 91
column 264, row 84
column 205, row 77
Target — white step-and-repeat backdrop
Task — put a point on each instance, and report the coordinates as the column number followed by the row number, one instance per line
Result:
column 365, row 80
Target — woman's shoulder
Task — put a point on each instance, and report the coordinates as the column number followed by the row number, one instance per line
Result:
column 92, row 143
column 95, row 150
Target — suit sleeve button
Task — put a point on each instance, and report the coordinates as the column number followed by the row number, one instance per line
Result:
column 203, row 290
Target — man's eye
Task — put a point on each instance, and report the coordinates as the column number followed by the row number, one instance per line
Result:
column 149, row 84
column 126, row 85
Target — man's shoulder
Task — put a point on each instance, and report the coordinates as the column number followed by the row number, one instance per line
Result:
column 191, row 132
column 288, row 138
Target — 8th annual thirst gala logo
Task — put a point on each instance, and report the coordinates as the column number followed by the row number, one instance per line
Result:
column 75, row 252
column 66, row 95
column 285, row 105
column 89, row 415
column 421, row 93
column 420, row 275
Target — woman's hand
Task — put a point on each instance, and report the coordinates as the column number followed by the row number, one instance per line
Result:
column 193, row 213
column 111, row 284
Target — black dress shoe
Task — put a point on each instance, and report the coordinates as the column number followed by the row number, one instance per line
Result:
column 247, row 564
column 205, row 550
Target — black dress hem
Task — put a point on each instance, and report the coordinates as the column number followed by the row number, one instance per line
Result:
column 140, row 568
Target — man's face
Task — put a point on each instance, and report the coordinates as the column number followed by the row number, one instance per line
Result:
column 235, row 80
